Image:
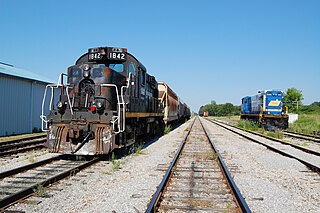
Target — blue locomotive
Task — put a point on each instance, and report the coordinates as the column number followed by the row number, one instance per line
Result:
column 266, row 108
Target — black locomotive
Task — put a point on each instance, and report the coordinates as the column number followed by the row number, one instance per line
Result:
column 108, row 102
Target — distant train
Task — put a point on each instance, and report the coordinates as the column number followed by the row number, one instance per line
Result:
column 108, row 102
column 266, row 108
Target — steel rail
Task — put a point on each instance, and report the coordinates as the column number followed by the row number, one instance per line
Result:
column 241, row 201
column 30, row 190
column 270, row 138
column 21, row 144
column 18, row 146
column 153, row 203
column 29, row 166
column 23, row 139
column 302, row 136
column 309, row 165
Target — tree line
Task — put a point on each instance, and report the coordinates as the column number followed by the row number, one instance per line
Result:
column 215, row 109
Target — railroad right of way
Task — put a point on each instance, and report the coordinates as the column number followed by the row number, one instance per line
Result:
column 268, row 181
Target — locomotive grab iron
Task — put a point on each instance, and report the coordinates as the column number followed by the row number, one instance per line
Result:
column 108, row 102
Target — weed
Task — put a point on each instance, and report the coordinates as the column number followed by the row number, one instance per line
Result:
column 210, row 156
column 276, row 134
column 228, row 208
column 31, row 159
column 167, row 129
column 248, row 125
column 115, row 163
column 40, row 192
column 138, row 150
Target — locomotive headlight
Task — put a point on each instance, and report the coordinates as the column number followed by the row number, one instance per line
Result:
column 86, row 67
column 86, row 73
column 60, row 105
column 99, row 104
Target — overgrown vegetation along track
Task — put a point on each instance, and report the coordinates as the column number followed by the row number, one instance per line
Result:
column 197, row 179
column 21, row 145
column 24, row 181
column 308, row 157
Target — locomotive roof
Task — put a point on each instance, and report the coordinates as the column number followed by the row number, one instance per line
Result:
column 84, row 59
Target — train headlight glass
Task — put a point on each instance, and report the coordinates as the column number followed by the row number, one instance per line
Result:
column 99, row 104
column 86, row 73
column 60, row 105
column 86, row 67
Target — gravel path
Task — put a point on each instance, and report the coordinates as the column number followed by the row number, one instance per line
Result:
column 103, row 188
column 268, row 181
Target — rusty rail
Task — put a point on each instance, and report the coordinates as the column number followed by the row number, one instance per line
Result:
column 21, row 145
column 211, row 172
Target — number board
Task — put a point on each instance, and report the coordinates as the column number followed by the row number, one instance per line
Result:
column 107, row 53
column 117, row 54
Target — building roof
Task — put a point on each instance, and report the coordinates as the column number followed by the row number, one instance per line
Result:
column 8, row 69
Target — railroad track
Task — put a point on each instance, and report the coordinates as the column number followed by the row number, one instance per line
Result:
column 24, row 181
column 302, row 136
column 21, row 145
column 306, row 156
column 197, row 179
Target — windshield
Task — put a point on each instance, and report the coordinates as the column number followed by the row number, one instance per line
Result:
column 116, row 67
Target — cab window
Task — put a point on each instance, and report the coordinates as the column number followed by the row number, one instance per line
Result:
column 132, row 69
column 142, row 77
column 116, row 67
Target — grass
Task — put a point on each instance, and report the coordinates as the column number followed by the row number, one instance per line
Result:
column 248, row 125
column 31, row 159
column 210, row 156
column 252, row 126
column 276, row 134
column 138, row 150
column 167, row 129
column 39, row 191
column 116, row 164
column 307, row 124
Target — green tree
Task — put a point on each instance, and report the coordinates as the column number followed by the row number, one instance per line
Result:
column 293, row 99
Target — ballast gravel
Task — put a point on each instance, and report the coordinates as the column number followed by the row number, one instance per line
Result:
column 103, row 188
column 268, row 181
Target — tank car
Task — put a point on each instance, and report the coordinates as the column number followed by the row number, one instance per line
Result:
column 108, row 101
column 266, row 108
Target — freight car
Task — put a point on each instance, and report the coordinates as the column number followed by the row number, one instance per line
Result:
column 205, row 114
column 266, row 108
column 108, row 102
column 173, row 107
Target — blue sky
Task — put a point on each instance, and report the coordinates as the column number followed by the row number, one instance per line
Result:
column 205, row 50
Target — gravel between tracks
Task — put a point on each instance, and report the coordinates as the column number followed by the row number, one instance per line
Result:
column 101, row 189
column 268, row 181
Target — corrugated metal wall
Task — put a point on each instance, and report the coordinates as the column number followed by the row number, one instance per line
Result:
column 20, row 105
